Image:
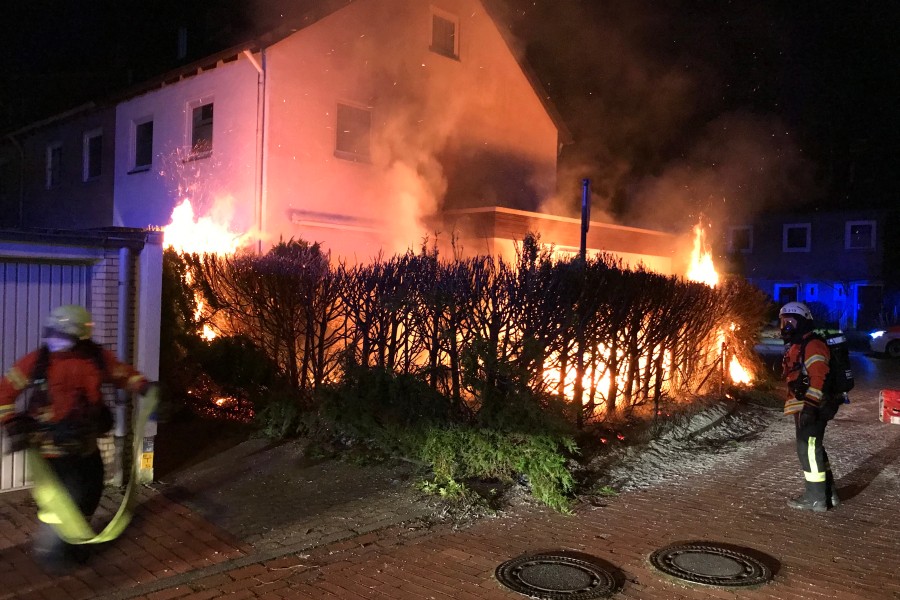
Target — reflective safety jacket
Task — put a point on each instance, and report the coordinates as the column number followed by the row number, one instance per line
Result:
column 73, row 381
column 815, row 367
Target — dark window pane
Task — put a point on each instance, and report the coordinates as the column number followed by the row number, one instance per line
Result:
column 740, row 239
column 861, row 235
column 443, row 36
column 796, row 237
column 95, row 150
column 54, row 167
column 202, row 132
column 354, row 126
column 143, row 144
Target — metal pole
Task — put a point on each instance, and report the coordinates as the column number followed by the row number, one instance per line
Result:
column 585, row 215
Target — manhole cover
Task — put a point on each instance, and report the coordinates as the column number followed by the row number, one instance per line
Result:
column 555, row 576
column 710, row 564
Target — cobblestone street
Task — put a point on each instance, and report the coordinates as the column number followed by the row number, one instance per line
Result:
column 171, row 551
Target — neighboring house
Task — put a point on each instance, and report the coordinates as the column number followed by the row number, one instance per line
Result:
column 64, row 174
column 351, row 128
column 839, row 262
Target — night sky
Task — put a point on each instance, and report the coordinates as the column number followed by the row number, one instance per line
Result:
column 699, row 100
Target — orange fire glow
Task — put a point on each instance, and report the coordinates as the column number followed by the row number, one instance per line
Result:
column 189, row 233
column 702, row 268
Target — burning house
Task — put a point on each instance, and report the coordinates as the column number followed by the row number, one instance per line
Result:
column 354, row 126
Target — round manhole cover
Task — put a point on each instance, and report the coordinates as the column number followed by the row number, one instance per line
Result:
column 556, row 576
column 711, row 564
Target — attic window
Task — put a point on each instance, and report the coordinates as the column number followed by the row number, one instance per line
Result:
column 92, row 151
column 443, row 35
column 354, row 132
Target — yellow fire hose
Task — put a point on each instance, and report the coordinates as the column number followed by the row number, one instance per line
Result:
column 55, row 505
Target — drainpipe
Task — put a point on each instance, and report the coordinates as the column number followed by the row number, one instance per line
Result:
column 260, row 141
column 123, row 340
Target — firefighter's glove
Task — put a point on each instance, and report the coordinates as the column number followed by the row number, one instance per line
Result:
column 798, row 387
column 808, row 417
column 18, row 429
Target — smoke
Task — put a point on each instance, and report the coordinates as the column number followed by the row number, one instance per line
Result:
column 741, row 164
column 671, row 108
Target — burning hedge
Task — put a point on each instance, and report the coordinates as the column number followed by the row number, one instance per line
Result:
column 487, row 334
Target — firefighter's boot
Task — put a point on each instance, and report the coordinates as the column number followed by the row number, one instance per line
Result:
column 831, row 490
column 813, row 499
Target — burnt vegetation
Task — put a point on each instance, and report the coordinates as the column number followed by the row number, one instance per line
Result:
column 455, row 363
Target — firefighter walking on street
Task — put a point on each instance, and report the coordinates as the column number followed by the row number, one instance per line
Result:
column 62, row 414
column 806, row 367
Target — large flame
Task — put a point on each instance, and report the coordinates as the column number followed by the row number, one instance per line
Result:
column 189, row 233
column 702, row 268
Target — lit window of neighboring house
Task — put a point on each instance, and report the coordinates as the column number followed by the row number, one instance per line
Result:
column 92, row 152
column 354, row 132
column 740, row 239
column 444, row 38
column 143, row 145
column 201, row 130
column 860, row 235
column 54, row 165
column 796, row 237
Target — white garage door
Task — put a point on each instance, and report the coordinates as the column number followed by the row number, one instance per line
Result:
column 29, row 290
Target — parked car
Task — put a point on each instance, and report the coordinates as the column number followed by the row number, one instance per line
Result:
column 886, row 341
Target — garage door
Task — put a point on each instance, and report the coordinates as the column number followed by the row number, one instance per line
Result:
column 29, row 290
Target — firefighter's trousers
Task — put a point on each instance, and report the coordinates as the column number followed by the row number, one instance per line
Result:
column 811, row 448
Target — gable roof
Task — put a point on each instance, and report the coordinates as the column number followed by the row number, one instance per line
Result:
column 316, row 11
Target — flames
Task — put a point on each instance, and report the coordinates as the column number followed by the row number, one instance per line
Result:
column 188, row 233
column 703, row 270
column 191, row 234
column 701, row 267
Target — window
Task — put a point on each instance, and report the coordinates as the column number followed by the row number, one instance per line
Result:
column 354, row 130
column 796, row 238
column 740, row 239
column 860, row 235
column 92, row 153
column 443, row 35
column 202, row 130
column 143, row 145
column 786, row 292
column 54, row 165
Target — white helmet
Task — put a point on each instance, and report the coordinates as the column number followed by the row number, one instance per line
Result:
column 797, row 309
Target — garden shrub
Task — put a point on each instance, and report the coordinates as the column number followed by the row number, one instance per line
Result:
column 459, row 453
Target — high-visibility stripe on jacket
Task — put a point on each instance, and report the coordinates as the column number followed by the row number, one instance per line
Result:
column 815, row 365
column 72, row 378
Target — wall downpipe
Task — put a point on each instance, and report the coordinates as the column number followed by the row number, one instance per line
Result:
column 260, row 67
column 123, row 341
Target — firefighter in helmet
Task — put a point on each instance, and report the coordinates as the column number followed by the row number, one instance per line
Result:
column 805, row 367
column 63, row 413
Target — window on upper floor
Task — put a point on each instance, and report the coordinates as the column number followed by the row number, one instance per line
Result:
column 92, row 152
column 54, row 165
column 740, row 239
column 796, row 237
column 444, row 37
column 201, row 129
column 143, row 145
column 353, row 133
column 860, row 235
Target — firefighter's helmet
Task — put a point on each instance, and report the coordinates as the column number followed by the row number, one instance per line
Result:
column 796, row 309
column 70, row 320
